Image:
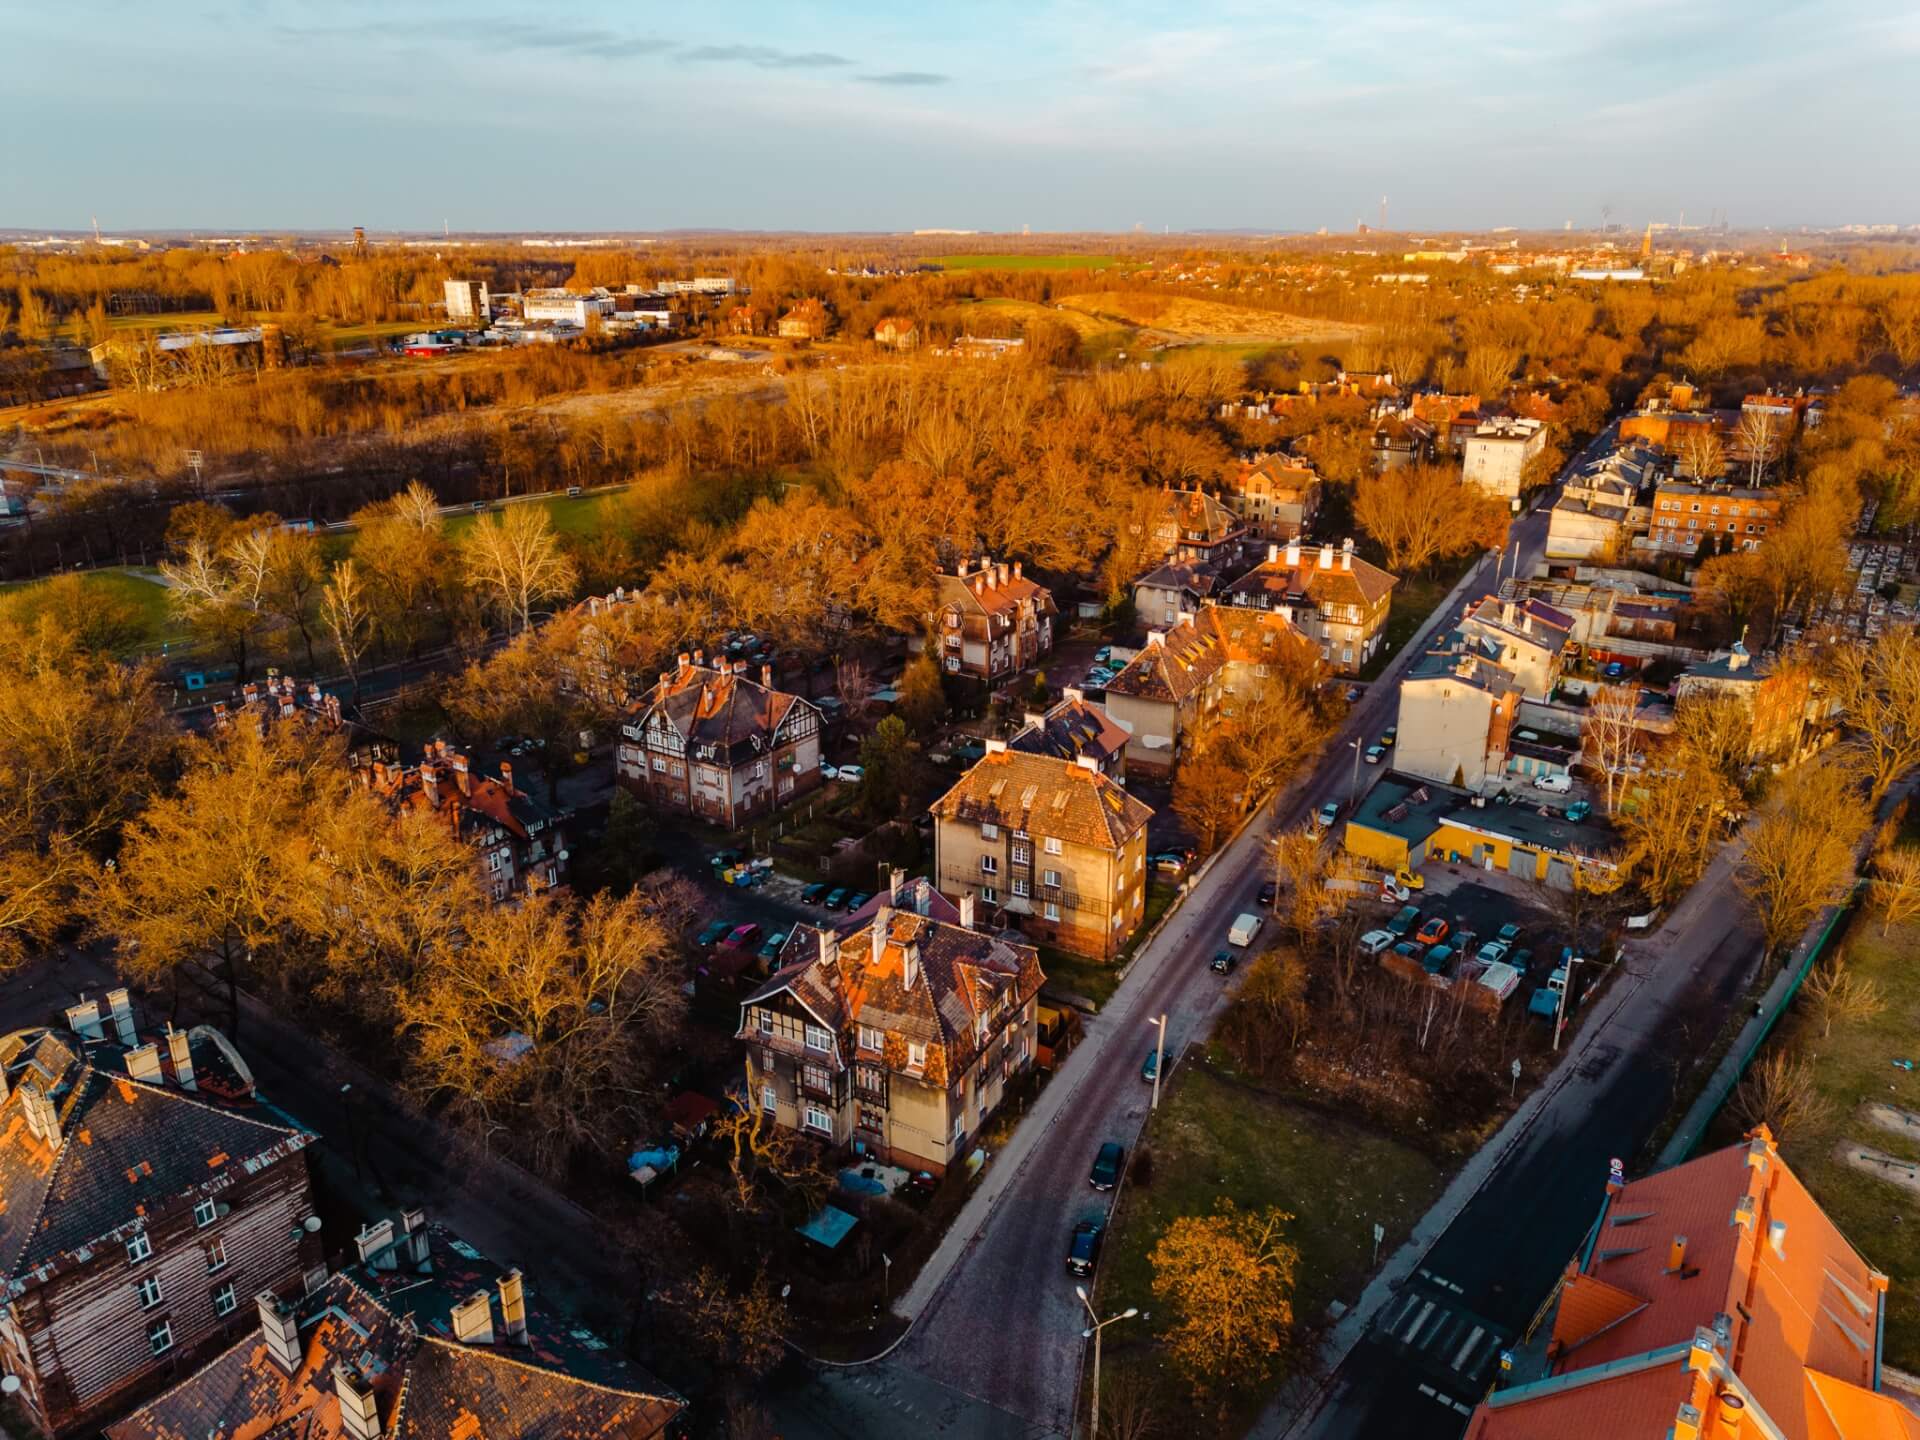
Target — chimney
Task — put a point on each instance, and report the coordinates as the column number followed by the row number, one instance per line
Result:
column 41, row 1116
column 280, row 1330
column 1293, row 552
column 380, row 774
column 513, row 1307
column 430, row 782
column 1326, row 556
column 1003, row 572
column 121, row 1004
column 1777, row 1238
column 1346, row 554
column 84, row 1020
column 1273, row 554
column 373, row 1240
column 419, row 1245
column 1016, row 569
column 1033, row 719
column 1733, row 1415
column 684, row 660
column 996, row 747
column 462, row 779
column 766, row 676
column 359, row 1415
column 1072, row 693
column 472, row 1319
column 896, row 878
column 1156, row 637
column 506, row 774
column 910, row 964
column 181, row 1053
column 699, row 657
column 1677, row 1255
column 143, row 1063
column 961, row 569
column 966, row 911
column 829, row 946
column 881, row 931
column 1087, row 763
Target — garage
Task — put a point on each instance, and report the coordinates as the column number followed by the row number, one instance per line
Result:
column 1524, row 863
column 1559, row 874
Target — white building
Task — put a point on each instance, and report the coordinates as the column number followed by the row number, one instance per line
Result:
column 563, row 307
column 1498, row 453
column 468, row 300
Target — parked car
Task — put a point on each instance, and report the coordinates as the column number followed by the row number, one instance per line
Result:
column 1327, row 814
column 829, row 772
column 1389, row 735
column 1169, row 862
column 1150, row 1067
column 1083, row 1248
column 1243, row 930
column 742, row 937
column 1437, row 959
column 770, row 950
column 1268, row 892
column 1509, row 935
column 1433, row 931
column 1106, row 1166
column 1615, row 670
column 1521, row 960
column 856, row 900
column 1404, row 922
column 853, row 774
column 1409, row 949
column 711, row 934
column 814, row 893
column 1491, row 953
column 1579, row 810
column 835, row 898
column 1554, row 784
column 1393, row 891
column 1375, row 754
column 1223, row 962
column 1354, row 692
column 1374, row 941
column 1410, row 879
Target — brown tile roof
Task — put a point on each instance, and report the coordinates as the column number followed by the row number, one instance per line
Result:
column 1047, row 797
column 991, row 589
column 1196, row 511
column 1071, row 729
column 961, row 976
column 1320, row 574
column 718, row 707
column 1191, row 653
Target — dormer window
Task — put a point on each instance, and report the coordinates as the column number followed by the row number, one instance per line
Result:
column 916, row 1055
column 139, row 1247
column 205, row 1213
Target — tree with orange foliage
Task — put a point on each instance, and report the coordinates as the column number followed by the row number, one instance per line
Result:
column 1229, row 1278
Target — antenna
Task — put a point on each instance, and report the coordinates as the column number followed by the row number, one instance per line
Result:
column 1383, row 212
column 96, row 229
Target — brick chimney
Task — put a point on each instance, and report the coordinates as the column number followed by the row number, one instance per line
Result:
column 513, row 1307
column 280, row 1330
column 766, row 676
column 359, row 1414
column 121, row 1004
column 1016, row 569
column 506, row 774
column 1326, row 556
column 462, row 778
column 41, row 1116
column 910, row 964
column 1346, row 554
column 882, row 929
column 472, row 1319
column 418, row 1243
column 181, row 1053
column 966, row 911
column 143, row 1063
column 829, row 946
column 430, row 782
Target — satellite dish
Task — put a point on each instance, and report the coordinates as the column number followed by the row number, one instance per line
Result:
column 10, row 1385
column 311, row 1224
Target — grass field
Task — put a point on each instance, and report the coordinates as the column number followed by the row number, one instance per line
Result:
column 1854, row 1065
column 1096, row 980
column 1210, row 321
column 580, row 515
column 146, row 599
column 1215, row 1138
column 341, row 336
column 1024, row 311
column 1025, row 262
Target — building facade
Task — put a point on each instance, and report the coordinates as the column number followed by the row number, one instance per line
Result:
column 1071, row 729
column 521, row 842
column 990, row 622
column 1687, row 516
column 1054, row 846
column 708, row 741
column 901, row 1034
column 1333, row 597
column 1498, row 453
column 1277, row 497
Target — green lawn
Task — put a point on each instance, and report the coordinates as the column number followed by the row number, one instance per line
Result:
column 1414, row 599
column 144, row 597
column 1854, row 1065
column 1096, row 980
column 338, row 336
column 1214, row 1138
column 1025, row 262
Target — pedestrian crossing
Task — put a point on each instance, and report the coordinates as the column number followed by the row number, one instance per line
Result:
column 1454, row 1349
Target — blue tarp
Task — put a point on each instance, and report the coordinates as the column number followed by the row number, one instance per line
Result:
column 829, row 1227
column 854, row 1183
column 662, row 1160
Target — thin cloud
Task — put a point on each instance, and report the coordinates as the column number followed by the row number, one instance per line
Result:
column 766, row 57
column 905, row 77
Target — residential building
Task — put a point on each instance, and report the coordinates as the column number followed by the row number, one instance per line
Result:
column 1398, row 443
column 807, row 320
column 1073, row 728
column 989, row 621
column 469, row 300
column 421, row 1338
column 1333, row 597
column 1197, row 528
column 896, row 332
column 565, row 307
column 1404, row 821
column 1711, row 1301
column 1172, row 589
column 1191, row 669
column 521, row 842
column 1498, row 453
column 698, row 285
column 901, row 1035
column 1457, row 715
column 147, row 1198
column 1784, row 704
column 1056, row 846
column 1602, row 507
column 710, row 742
column 1527, row 638
column 1277, row 497
column 283, row 700
column 1687, row 515
column 741, row 320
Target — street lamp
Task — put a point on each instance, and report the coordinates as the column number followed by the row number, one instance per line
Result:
column 1159, row 1056
column 1353, row 790
column 1560, row 1010
column 1093, row 1431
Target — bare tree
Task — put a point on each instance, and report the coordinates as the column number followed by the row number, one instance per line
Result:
column 1702, row 456
column 1837, row 993
column 1799, row 856
column 513, row 561
column 1878, row 689
column 1782, row 1092
column 347, row 614
column 1896, row 886
column 1759, row 435
column 1613, row 736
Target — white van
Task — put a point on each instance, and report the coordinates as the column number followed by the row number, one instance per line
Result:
column 1243, row 931
column 1554, row 784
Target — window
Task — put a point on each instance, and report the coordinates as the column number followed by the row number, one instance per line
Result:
column 871, row 1039
column 1052, row 910
column 765, row 1018
column 223, row 1300
column 989, row 832
column 815, row 1077
column 205, row 1213
column 149, row 1290
column 989, row 865
column 1120, row 883
column 138, row 1248
column 769, row 1101
column 216, row 1256
column 819, row 1119
column 1021, row 835
column 1021, row 887
column 1023, row 854
column 160, row 1337
column 872, row 1120
column 1052, row 878
column 659, row 765
column 1053, row 845
column 989, row 894
column 916, row 1055
column 819, row 1038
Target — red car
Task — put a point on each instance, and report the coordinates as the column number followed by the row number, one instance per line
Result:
column 1432, row 932
column 741, row 937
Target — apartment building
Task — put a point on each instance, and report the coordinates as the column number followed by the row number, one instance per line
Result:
column 1333, row 597
column 989, row 621
column 1498, row 452
column 147, row 1200
column 1277, row 497
column 1456, row 719
column 1196, row 527
column 1527, row 638
column 1686, row 516
column 1176, row 588
column 420, row 1337
column 1712, row 1301
column 901, row 1034
column 521, row 841
column 808, row 320
column 1054, row 846
column 708, row 741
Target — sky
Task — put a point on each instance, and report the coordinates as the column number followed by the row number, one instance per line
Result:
column 1062, row 115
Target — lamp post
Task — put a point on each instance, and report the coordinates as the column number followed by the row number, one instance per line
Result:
column 1093, row 1431
column 1159, row 1056
column 1353, row 790
column 1560, row 1010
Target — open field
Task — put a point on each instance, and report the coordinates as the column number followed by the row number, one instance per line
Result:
column 1854, row 1067
column 1175, row 318
column 1024, row 262
column 1025, row 311
column 146, row 598
column 341, row 336
column 1215, row 1138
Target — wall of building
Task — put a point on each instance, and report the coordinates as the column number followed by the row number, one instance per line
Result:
column 1444, row 728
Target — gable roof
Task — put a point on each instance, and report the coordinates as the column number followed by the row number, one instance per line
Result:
column 1072, row 728
column 124, row 1150
column 990, row 589
column 1047, row 796
column 1197, row 514
column 1326, row 576
column 1175, row 665
column 717, row 711
column 386, row 1320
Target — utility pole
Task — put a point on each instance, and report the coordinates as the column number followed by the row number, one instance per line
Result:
column 1093, row 1429
column 1560, row 1010
column 1159, row 1057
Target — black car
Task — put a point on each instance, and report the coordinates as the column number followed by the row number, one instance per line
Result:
column 1083, row 1250
column 1223, row 962
column 1106, row 1166
column 1268, row 892
column 813, row 894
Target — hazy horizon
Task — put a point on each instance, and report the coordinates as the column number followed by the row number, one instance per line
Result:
column 847, row 118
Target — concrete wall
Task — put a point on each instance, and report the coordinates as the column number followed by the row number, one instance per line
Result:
column 1444, row 725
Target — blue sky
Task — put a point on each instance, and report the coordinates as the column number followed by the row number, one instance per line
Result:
column 981, row 114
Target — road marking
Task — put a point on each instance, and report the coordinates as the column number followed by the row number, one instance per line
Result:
column 1460, row 1355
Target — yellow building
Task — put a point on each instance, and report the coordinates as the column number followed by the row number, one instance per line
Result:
column 1404, row 821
